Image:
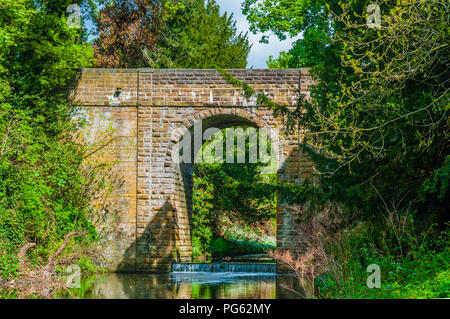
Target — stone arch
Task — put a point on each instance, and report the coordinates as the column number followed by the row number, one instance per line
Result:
column 246, row 117
column 180, row 195
column 153, row 111
column 164, row 211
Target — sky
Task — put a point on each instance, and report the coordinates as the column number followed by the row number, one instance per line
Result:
column 259, row 52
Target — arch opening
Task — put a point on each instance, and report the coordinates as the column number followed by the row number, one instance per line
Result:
column 231, row 207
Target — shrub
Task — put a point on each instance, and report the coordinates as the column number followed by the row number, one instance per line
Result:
column 9, row 266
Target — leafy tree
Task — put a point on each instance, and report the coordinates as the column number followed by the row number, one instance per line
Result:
column 197, row 36
column 168, row 34
column 44, row 192
column 379, row 108
column 127, row 28
column 310, row 19
column 378, row 114
column 231, row 192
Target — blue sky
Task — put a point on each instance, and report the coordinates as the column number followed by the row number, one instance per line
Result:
column 260, row 52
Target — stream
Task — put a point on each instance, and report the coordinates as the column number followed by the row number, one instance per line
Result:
column 201, row 281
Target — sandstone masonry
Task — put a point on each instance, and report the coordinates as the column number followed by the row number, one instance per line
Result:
column 148, row 111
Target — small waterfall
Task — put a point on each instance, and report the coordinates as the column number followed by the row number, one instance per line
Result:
column 225, row 267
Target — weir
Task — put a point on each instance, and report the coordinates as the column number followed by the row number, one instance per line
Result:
column 226, row 267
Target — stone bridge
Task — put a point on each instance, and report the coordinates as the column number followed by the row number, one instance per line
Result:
column 146, row 216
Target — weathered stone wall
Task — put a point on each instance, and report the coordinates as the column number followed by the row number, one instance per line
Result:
column 116, row 129
column 150, row 110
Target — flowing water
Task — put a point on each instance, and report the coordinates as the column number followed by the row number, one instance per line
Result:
column 190, row 285
column 226, row 267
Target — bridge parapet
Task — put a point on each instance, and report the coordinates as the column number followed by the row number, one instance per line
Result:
column 184, row 87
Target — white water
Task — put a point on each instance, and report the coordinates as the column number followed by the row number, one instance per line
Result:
column 225, row 267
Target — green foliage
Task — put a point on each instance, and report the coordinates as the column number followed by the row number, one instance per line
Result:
column 309, row 18
column 9, row 266
column 87, row 265
column 227, row 193
column 382, row 127
column 377, row 130
column 279, row 16
column 168, row 34
column 201, row 231
column 241, row 240
column 197, row 36
column 423, row 272
column 8, row 294
column 44, row 189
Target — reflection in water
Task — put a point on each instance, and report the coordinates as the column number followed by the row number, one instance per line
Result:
column 188, row 286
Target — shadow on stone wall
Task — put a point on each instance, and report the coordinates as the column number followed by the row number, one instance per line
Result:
column 156, row 246
column 296, row 169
